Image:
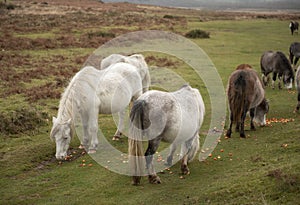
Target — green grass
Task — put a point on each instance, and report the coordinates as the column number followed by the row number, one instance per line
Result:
column 245, row 173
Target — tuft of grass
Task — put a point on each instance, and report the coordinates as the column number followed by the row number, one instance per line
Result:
column 197, row 33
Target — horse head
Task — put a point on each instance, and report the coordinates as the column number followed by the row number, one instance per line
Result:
column 288, row 79
column 260, row 112
column 61, row 133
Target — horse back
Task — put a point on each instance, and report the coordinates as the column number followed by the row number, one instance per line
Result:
column 172, row 116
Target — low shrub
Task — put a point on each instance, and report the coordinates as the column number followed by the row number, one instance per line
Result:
column 197, row 33
column 101, row 34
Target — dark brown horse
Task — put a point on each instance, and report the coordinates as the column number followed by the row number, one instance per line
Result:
column 294, row 26
column 245, row 93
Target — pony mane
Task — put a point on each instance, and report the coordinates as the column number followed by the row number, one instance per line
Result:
column 74, row 93
column 65, row 103
column 284, row 60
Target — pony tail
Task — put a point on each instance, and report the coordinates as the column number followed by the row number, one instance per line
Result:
column 135, row 145
column 238, row 100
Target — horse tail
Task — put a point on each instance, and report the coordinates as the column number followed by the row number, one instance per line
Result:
column 194, row 148
column 135, row 145
column 238, row 99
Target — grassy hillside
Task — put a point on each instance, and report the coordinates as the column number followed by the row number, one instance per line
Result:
column 40, row 52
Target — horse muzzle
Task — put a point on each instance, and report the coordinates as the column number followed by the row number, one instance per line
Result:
column 60, row 156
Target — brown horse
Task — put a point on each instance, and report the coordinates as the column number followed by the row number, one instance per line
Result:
column 245, row 93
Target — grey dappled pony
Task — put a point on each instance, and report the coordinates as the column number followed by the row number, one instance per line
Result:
column 173, row 117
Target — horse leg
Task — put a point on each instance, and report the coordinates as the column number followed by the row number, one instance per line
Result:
column 252, row 111
column 93, row 130
column 291, row 58
column 184, row 153
column 171, row 154
column 264, row 79
column 298, row 106
column 85, row 141
column 295, row 63
column 279, row 81
column 228, row 133
column 273, row 80
column 152, row 147
column 120, row 127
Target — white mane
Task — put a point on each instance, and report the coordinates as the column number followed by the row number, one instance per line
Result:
column 74, row 93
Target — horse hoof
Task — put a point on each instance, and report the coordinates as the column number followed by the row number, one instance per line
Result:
column 185, row 170
column 136, row 180
column 168, row 164
column 116, row 138
column 92, row 151
column 81, row 146
column 154, row 180
column 243, row 136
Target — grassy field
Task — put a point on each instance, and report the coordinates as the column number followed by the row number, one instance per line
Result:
column 40, row 52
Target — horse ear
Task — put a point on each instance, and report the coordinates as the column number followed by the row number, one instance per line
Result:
column 54, row 120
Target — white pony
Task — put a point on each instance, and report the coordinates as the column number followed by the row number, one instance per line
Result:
column 156, row 116
column 93, row 91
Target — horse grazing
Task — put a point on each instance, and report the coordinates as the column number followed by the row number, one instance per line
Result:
column 294, row 25
column 156, row 116
column 277, row 63
column 298, row 87
column 90, row 92
column 294, row 52
column 245, row 93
